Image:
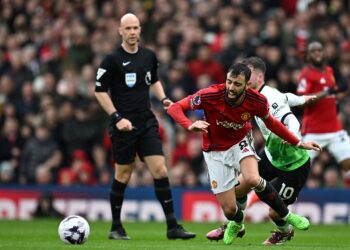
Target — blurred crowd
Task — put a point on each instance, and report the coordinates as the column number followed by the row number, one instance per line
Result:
column 54, row 132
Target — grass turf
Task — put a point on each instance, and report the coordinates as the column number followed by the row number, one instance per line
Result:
column 42, row 234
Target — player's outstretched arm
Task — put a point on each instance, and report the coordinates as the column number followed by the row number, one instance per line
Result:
column 310, row 146
column 176, row 111
column 279, row 129
column 295, row 100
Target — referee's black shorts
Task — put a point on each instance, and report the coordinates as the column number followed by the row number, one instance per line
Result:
column 144, row 140
column 287, row 183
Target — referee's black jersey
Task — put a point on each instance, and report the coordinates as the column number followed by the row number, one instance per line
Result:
column 128, row 77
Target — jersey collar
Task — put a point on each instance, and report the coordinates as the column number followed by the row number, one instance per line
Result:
column 262, row 86
column 127, row 51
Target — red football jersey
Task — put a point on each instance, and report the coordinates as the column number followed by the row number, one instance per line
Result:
column 228, row 124
column 321, row 117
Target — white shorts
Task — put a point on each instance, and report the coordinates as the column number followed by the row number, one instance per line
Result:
column 224, row 166
column 337, row 143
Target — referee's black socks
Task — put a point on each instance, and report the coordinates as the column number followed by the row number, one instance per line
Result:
column 163, row 193
column 116, row 197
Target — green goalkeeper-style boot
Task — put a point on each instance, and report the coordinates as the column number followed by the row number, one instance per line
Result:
column 298, row 221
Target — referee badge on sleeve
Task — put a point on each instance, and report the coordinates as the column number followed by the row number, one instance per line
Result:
column 130, row 79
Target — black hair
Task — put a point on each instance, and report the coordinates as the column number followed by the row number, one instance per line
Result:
column 239, row 69
column 256, row 62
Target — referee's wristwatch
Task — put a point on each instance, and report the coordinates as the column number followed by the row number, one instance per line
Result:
column 163, row 99
column 115, row 117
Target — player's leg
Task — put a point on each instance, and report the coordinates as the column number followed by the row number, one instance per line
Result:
column 288, row 184
column 279, row 236
column 223, row 179
column 233, row 213
column 264, row 190
column 150, row 150
column 124, row 154
column 268, row 194
column 241, row 192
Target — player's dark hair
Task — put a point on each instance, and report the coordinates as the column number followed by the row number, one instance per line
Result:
column 256, row 62
column 238, row 69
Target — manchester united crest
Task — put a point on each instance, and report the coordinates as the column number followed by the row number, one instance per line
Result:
column 245, row 116
column 214, row 184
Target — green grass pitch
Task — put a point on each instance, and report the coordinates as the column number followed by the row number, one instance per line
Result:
column 42, row 234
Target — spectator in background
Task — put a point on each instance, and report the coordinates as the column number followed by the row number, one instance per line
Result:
column 41, row 151
column 8, row 90
column 27, row 104
column 79, row 54
column 204, row 64
column 319, row 79
column 10, row 150
column 331, row 177
column 104, row 171
column 79, row 172
column 45, row 207
column 80, row 132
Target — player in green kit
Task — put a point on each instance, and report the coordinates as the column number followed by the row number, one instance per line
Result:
column 285, row 166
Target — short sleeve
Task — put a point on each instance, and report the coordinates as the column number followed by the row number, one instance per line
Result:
column 104, row 75
column 155, row 65
column 304, row 84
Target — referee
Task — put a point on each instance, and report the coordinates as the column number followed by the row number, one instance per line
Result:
column 123, row 81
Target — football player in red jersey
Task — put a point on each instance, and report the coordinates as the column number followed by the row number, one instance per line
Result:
column 320, row 120
column 227, row 144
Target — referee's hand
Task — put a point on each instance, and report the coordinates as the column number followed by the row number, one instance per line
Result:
column 124, row 125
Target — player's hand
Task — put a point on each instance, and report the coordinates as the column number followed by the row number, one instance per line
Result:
column 167, row 103
column 124, row 125
column 309, row 98
column 199, row 126
column 310, row 146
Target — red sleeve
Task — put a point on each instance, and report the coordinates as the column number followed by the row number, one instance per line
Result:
column 279, row 129
column 176, row 111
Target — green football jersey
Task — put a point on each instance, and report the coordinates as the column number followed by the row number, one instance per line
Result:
column 281, row 154
column 285, row 156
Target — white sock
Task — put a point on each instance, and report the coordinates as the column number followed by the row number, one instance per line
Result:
column 285, row 229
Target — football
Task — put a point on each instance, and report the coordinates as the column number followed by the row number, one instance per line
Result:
column 74, row 229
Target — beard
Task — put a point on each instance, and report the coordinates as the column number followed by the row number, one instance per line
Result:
column 318, row 63
column 233, row 100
